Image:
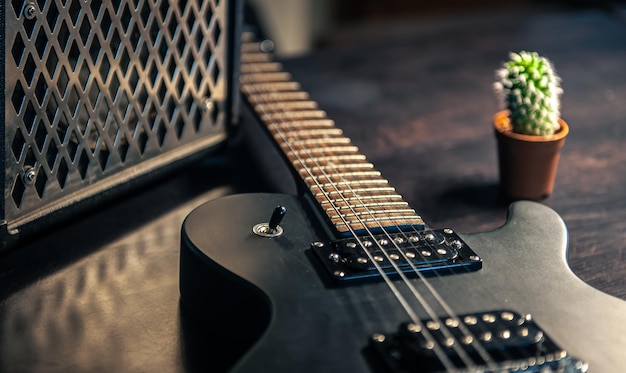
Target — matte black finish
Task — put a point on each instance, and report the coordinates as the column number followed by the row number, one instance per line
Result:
column 447, row 253
column 313, row 327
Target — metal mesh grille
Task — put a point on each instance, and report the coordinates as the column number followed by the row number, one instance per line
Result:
column 94, row 88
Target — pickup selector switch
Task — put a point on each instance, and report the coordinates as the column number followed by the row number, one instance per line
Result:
column 271, row 228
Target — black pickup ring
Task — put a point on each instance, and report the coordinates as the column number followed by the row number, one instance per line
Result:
column 429, row 252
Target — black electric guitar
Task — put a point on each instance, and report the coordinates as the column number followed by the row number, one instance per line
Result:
column 351, row 280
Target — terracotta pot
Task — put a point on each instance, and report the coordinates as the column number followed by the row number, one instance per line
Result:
column 527, row 163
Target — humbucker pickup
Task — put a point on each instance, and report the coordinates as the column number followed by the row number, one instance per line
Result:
column 498, row 341
column 367, row 257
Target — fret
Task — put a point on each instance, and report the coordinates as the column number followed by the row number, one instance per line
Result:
column 356, row 191
column 361, row 197
column 265, row 77
column 317, row 181
column 255, row 57
column 341, row 166
column 309, row 143
column 269, row 97
column 341, row 175
column 261, row 67
column 303, row 124
column 286, row 106
column 386, row 198
column 272, row 87
column 291, row 115
column 362, row 206
column 384, row 216
column 336, row 168
column 399, row 218
column 328, row 151
column 304, row 163
column 348, row 189
column 383, row 221
column 344, row 185
column 372, row 212
column 250, row 46
column 322, row 133
column 248, row 37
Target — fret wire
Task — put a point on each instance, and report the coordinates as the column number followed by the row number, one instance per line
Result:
column 249, row 45
column 358, row 190
column 259, row 67
column 330, row 151
column 269, row 97
column 392, row 214
column 302, row 114
column 272, row 87
column 366, row 206
column 402, row 219
column 345, row 183
column 348, row 166
column 315, row 142
column 347, row 200
column 289, row 105
column 343, row 174
column 330, row 158
column 348, row 174
column 316, row 133
column 348, row 183
column 255, row 57
column 265, row 77
column 316, row 123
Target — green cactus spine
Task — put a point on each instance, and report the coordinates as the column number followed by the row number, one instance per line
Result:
column 531, row 90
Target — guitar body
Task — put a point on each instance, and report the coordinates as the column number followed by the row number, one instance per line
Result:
column 270, row 294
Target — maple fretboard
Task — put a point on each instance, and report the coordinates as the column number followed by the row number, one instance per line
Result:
column 348, row 189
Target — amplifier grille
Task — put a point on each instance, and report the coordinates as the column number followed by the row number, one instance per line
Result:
column 95, row 88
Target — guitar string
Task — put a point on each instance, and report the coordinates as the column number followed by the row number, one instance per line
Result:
column 442, row 326
column 480, row 349
column 452, row 315
column 404, row 303
column 464, row 330
column 372, row 259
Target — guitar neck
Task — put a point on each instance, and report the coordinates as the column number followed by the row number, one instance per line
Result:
column 353, row 195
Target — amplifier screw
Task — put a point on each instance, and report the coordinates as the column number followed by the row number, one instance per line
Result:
column 377, row 337
column 207, row 105
column 266, row 46
column 29, row 175
column 29, row 10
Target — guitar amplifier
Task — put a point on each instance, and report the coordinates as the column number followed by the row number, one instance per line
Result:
column 98, row 96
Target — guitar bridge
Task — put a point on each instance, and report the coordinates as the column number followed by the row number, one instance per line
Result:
column 367, row 258
column 500, row 341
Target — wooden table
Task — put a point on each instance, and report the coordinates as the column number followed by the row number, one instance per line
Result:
column 101, row 293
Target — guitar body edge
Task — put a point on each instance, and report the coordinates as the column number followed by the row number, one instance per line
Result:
column 264, row 298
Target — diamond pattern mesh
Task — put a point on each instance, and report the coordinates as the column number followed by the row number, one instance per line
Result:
column 94, row 88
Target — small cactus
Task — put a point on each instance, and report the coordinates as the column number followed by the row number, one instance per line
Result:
column 531, row 90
